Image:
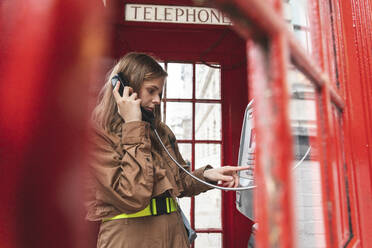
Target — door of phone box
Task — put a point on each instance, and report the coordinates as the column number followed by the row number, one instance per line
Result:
column 191, row 45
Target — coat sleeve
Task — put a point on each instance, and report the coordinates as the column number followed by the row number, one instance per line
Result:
column 124, row 178
column 191, row 186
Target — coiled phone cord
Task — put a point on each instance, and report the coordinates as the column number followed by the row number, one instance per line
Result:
column 212, row 185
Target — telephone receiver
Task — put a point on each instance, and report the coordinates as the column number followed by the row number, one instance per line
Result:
column 147, row 116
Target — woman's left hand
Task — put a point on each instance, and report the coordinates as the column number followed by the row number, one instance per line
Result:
column 227, row 175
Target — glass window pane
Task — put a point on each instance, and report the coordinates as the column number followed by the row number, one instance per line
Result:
column 297, row 15
column 208, row 240
column 207, row 154
column 162, row 111
column 208, row 209
column 208, row 121
column 179, row 119
column 208, row 82
column 299, row 12
column 185, row 150
column 185, row 203
column 179, row 81
column 208, row 205
column 304, row 37
column 162, row 64
column 306, row 173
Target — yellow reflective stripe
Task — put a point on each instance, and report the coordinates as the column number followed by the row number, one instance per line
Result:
column 171, row 207
column 144, row 212
column 154, row 207
column 167, row 202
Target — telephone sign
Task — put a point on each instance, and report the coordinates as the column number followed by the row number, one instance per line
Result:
column 174, row 14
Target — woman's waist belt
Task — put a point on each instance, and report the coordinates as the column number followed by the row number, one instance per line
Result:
column 157, row 206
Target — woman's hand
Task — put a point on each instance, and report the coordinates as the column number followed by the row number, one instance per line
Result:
column 226, row 175
column 128, row 104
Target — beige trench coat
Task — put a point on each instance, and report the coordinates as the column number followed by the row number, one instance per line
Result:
column 125, row 174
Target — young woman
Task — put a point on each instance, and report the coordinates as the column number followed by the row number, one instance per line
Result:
column 133, row 182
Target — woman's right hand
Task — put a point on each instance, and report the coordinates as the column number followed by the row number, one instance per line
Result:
column 128, row 104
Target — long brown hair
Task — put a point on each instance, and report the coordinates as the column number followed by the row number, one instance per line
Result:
column 137, row 68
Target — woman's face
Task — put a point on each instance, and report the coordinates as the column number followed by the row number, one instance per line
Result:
column 150, row 93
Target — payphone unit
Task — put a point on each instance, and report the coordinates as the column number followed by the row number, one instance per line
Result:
column 244, row 199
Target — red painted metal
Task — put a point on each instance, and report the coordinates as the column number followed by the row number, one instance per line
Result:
column 346, row 231
column 327, row 167
column 273, row 200
column 345, row 70
column 356, row 19
column 256, row 19
column 237, row 228
column 256, row 73
column 47, row 63
column 324, row 129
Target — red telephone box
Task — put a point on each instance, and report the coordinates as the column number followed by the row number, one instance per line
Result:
column 195, row 47
column 310, row 78
column 337, row 76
